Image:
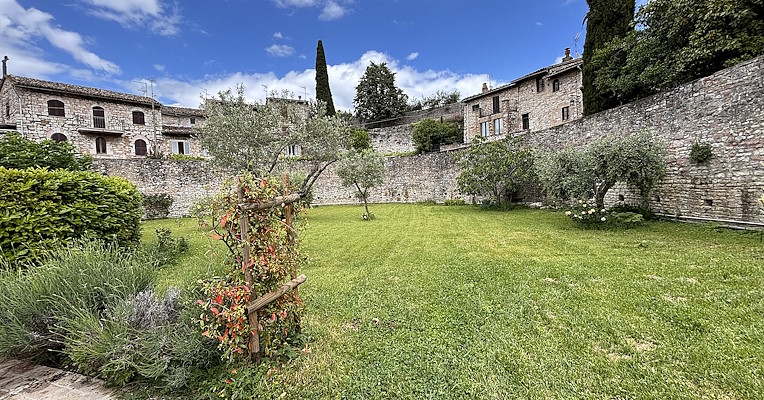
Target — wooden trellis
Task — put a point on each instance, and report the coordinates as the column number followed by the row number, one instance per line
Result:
column 255, row 305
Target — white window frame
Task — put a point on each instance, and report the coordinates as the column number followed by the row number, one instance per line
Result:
column 498, row 126
column 177, row 144
column 484, row 129
column 293, row 150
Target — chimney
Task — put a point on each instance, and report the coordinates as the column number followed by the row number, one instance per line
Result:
column 485, row 85
column 5, row 66
column 567, row 55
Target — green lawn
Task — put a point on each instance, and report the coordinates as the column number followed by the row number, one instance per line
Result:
column 458, row 302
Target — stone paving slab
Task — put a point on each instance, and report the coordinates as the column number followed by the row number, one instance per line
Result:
column 20, row 380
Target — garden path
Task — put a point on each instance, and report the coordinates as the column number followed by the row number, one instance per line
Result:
column 20, row 380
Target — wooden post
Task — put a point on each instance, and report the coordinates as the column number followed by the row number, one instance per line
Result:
column 254, row 340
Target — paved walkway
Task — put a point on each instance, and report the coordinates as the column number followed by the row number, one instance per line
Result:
column 20, row 380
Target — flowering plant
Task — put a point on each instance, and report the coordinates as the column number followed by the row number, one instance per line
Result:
column 587, row 213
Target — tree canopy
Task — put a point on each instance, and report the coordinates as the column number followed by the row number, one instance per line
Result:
column 606, row 20
column 677, row 41
column 638, row 160
column 377, row 97
column 498, row 168
column 323, row 91
column 252, row 136
column 363, row 170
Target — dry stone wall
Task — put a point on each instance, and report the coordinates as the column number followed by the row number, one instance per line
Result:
column 725, row 110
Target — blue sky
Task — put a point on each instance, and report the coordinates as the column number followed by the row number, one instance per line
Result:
column 193, row 46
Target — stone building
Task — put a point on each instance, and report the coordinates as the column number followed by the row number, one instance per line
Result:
column 542, row 99
column 102, row 123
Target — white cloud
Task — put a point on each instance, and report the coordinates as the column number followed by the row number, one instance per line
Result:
column 539, row 24
column 295, row 3
column 279, row 50
column 21, row 29
column 160, row 18
column 302, row 56
column 159, row 67
column 278, row 35
column 343, row 79
column 332, row 11
column 413, row 56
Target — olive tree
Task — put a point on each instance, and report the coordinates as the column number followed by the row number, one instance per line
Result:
column 363, row 170
column 637, row 160
column 252, row 137
column 498, row 168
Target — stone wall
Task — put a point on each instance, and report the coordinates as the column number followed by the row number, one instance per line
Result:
column 184, row 180
column 724, row 110
column 393, row 139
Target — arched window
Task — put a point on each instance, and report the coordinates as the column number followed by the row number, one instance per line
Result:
column 99, row 120
column 100, row 145
column 58, row 137
column 56, row 108
column 140, row 147
column 556, row 85
column 138, row 118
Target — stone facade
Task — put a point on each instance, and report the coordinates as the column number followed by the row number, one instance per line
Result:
column 548, row 97
column 123, row 123
column 724, row 110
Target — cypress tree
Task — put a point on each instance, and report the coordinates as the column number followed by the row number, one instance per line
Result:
column 323, row 92
column 605, row 21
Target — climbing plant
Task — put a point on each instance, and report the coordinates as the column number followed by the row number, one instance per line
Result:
column 274, row 259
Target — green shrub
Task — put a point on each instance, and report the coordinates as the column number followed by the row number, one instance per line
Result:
column 700, row 153
column 157, row 205
column 93, row 306
column 359, row 139
column 88, row 276
column 630, row 208
column 429, row 134
column 454, row 202
column 19, row 153
column 43, row 209
column 168, row 247
column 626, row 219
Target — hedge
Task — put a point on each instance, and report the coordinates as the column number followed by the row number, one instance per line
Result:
column 41, row 209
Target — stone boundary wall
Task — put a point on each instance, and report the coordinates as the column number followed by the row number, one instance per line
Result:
column 394, row 139
column 184, row 180
column 725, row 110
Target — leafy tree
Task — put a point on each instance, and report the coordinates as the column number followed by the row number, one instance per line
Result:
column 439, row 99
column 678, row 41
column 429, row 134
column 19, row 153
column 565, row 174
column 252, row 137
column 323, row 91
column 359, row 139
column 377, row 97
column 606, row 20
column 364, row 170
column 638, row 160
column 498, row 168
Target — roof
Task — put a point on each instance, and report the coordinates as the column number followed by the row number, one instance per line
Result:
column 57, row 87
column 552, row 70
column 182, row 111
